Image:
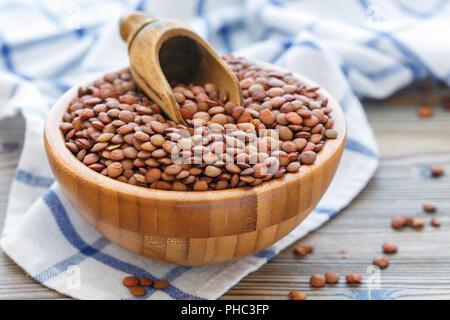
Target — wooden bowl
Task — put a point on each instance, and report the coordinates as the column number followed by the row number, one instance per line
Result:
column 192, row 228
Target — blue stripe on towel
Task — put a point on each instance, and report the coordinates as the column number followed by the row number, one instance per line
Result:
column 417, row 66
column 14, row 90
column 269, row 31
column 60, row 215
column 346, row 99
column 413, row 62
column 200, row 7
column 48, row 13
column 364, row 4
column 377, row 74
column 276, row 3
column 384, row 72
column 328, row 211
column 33, row 180
column 358, row 147
column 225, row 33
column 5, row 51
column 415, row 70
column 286, row 44
column 141, row 5
column 417, row 14
column 266, row 254
column 60, row 85
column 80, row 32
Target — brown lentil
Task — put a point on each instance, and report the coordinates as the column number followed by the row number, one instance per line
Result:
column 398, row 222
column 297, row 295
column 389, row 247
column 409, row 220
column 332, row 277
column 161, row 284
column 435, row 222
column 308, row 157
column 427, row 207
column 331, row 133
column 130, row 281
column 417, row 223
column 114, row 169
column 425, row 111
column 293, row 167
column 317, row 280
column 353, row 278
column 137, row 291
column 114, row 129
column 302, row 249
column 436, row 170
column 145, row 282
column 381, row 262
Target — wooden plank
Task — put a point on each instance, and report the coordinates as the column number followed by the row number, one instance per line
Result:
column 14, row 282
column 421, row 268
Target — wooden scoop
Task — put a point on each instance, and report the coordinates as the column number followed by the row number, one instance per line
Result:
column 163, row 50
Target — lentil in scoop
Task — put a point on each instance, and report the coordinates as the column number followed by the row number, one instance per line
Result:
column 114, row 129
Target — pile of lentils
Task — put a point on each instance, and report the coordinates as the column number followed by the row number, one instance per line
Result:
column 114, row 129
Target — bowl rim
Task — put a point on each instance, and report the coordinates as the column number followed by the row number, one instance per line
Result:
column 55, row 144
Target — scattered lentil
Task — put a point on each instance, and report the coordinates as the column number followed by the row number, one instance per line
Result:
column 302, row 249
column 332, row 277
column 381, row 261
column 161, row 284
column 353, row 278
column 436, row 170
column 137, row 291
column 435, row 222
column 145, row 282
column 417, row 222
column 130, row 281
column 429, row 207
column 398, row 222
column 317, row 280
column 425, row 111
column 389, row 247
column 297, row 295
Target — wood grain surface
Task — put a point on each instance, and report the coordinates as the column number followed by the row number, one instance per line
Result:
column 420, row 269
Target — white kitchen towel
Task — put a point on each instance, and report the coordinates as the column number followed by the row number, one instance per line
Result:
column 352, row 48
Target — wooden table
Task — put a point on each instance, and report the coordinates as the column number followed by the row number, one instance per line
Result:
column 420, row 269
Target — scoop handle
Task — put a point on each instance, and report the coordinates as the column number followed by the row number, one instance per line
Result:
column 131, row 23
column 144, row 36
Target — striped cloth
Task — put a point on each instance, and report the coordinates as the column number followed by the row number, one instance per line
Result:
column 352, row 48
